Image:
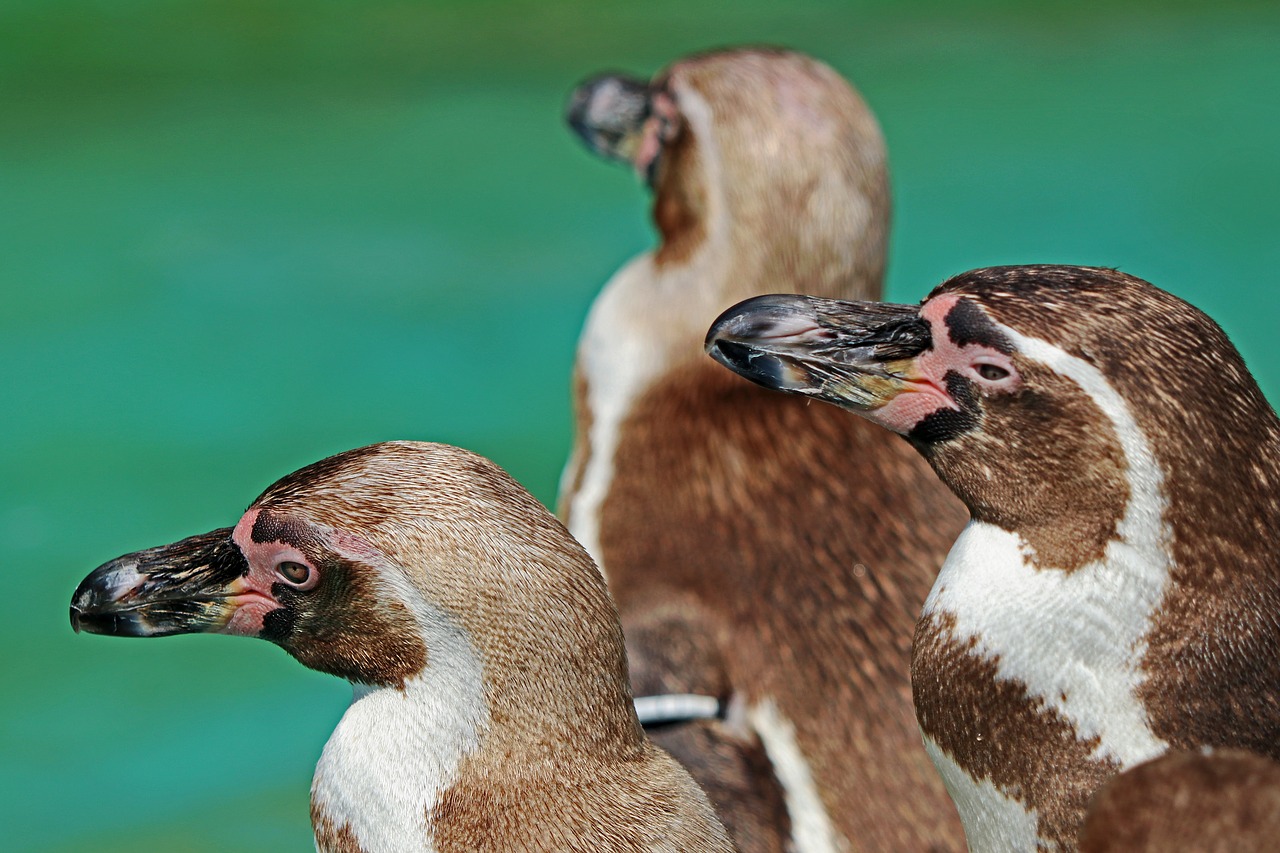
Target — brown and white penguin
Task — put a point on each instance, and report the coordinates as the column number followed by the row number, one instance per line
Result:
column 1212, row 801
column 492, row 709
column 1115, row 595
column 741, row 532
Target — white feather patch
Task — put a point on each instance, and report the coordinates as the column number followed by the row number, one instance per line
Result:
column 992, row 821
column 618, row 365
column 811, row 829
column 395, row 751
column 1074, row 639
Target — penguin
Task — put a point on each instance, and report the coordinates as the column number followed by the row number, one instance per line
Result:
column 491, row 707
column 1211, row 801
column 1114, row 595
column 759, row 583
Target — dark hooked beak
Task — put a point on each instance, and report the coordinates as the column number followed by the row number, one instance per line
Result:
column 190, row 586
column 609, row 113
column 858, row 355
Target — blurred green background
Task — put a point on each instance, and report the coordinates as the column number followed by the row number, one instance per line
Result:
column 236, row 237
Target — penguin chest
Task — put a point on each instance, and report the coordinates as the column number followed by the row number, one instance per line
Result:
column 391, row 757
column 1025, row 682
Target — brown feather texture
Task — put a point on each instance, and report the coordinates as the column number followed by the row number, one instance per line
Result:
column 492, row 707
column 1222, row 801
column 761, row 550
column 1115, row 594
column 1210, row 660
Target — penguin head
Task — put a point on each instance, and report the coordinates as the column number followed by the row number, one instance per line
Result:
column 370, row 565
column 1032, row 390
column 767, row 160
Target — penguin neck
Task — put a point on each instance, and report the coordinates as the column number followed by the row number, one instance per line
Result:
column 1016, row 608
column 560, row 696
column 648, row 322
column 397, row 748
column 470, row 712
column 810, row 218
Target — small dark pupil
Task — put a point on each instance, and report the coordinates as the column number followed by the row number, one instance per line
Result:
column 992, row 373
column 295, row 572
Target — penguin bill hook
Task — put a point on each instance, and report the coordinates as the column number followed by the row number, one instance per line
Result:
column 192, row 586
column 857, row 355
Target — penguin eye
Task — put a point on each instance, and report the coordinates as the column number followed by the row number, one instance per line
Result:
column 295, row 573
column 992, row 372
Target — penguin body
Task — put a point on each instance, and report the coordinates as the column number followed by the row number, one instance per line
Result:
column 737, row 529
column 491, row 705
column 1111, row 598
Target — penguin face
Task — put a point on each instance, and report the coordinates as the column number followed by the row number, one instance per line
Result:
column 625, row 119
column 1023, row 387
column 330, row 597
column 364, row 564
column 292, row 571
column 929, row 373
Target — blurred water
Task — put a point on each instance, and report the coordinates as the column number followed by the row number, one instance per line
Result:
column 236, row 237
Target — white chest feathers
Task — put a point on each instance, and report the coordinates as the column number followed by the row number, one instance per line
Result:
column 993, row 821
column 1075, row 639
column 395, row 751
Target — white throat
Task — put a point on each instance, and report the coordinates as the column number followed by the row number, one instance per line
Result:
column 1076, row 640
column 395, row 751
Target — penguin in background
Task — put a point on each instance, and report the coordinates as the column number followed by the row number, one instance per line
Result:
column 768, row 558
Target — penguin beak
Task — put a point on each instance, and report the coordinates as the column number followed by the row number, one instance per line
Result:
column 858, row 355
column 191, row 586
column 609, row 113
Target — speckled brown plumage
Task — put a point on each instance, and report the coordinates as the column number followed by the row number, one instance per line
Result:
column 331, row 839
column 1215, row 640
column 1117, row 592
column 993, row 737
column 609, row 806
column 760, row 549
column 1213, row 651
column 808, row 594
column 1224, row 802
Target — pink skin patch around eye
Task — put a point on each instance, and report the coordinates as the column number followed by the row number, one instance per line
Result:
column 928, row 386
column 252, row 593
